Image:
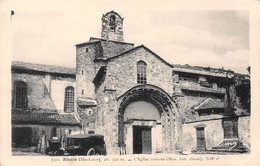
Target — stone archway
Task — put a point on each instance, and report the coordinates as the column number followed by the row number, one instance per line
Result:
column 166, row 108
column 142, row 124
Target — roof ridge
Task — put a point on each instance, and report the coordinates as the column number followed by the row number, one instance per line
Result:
column 202, row 68
column 13, row 63
column 88, row 42
column 100, row 39
column 137, row 48
column 123, row 52
column 42, row 68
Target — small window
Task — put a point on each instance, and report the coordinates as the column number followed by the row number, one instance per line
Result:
column 141, row 72
column 69, row 99
column 82, row 72
column 176, row 78
column 214, row 86
column 20, row 98
column 82, row 92
column 87, row 50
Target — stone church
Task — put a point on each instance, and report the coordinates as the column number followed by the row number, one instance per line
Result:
column 137, row 100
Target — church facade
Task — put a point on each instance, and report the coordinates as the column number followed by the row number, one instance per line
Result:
column 141, row 103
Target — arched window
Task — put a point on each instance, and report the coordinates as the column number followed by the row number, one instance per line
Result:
column 20, row 98
column 112, row 22
column 69, row 99
column 141, row 72
column 54, row 132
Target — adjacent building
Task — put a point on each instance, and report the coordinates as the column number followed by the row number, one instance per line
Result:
column 42, row 105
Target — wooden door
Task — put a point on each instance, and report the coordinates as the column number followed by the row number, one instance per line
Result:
column 146, row 141
column 137, row 140
column 201, row 144
column 142, row 142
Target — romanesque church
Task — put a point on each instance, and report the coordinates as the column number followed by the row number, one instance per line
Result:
column 138, row 101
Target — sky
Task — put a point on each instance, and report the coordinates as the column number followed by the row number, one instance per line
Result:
column 209, row 38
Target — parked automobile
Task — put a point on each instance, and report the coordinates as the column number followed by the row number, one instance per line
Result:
column 84, row 144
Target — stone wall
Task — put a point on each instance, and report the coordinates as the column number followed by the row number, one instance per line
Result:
column 35, row 90
column 44, row 92
column 112, row 48
column 124, row 71
column 121, row 76
column 85, row 70
column 214, row 134
column 108, row 120
column 58, row 86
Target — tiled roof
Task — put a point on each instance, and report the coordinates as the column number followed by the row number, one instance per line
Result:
column 100, row 39
column 210, row 103
column 43, row 68
column 86, row 43
column 201, row 70
column 96, row 40
column 45, row 118
column 88, row 118
column 202, row 89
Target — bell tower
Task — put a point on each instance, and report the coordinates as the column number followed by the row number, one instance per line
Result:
column 112, row 26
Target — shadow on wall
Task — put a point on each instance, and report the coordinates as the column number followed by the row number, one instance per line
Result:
column 187, row 143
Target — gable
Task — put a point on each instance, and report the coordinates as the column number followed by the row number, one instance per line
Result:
column 138, row 48
column 123, row 69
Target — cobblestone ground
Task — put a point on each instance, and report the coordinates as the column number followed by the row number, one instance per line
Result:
column 20, row 153
column 25, row 152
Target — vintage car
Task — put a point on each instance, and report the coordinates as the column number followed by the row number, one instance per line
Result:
column 84, row 144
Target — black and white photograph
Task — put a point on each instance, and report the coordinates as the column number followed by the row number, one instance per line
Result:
column 91, row 80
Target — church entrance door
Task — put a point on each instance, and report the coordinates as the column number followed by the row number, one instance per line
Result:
column 142, row 142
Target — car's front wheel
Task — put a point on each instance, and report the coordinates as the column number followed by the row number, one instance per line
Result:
column 91, row 152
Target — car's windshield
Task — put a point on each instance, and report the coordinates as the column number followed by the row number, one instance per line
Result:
column 93, row 141
column 73, row 142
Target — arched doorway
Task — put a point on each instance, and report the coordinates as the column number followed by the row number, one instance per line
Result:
column 146, row 120
column 141, row 121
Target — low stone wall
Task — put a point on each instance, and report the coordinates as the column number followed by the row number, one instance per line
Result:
column 214, row 133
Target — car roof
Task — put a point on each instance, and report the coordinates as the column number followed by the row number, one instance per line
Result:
column 86, row 136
